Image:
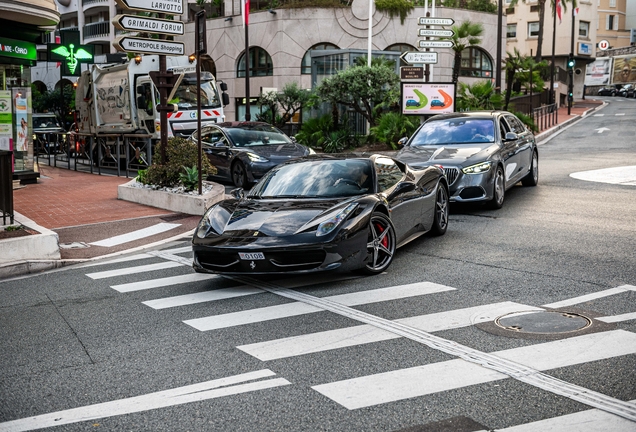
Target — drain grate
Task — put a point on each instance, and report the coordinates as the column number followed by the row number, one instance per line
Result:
column 74, row 245
column 543, row 322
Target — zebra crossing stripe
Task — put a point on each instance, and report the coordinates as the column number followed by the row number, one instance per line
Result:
column 135, row 235
column 618, row 318
column 221, row 294
column 491, row 362
column 157, row 283
column 205, row 296
column 299, row 308
column 590, row 297
column 177, row 396
column 418, row 381
column 363, row 334
column 133, row 270
column 593, row 420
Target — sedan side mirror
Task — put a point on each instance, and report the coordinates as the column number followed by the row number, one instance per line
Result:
column 238, row 193
column 402, row 142
column 511, row 136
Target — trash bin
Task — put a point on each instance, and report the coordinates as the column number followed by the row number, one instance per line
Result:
column 6, row 187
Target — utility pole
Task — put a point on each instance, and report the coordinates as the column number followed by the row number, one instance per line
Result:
column 571, row 63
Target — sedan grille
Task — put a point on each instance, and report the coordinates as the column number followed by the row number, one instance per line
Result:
column 451, row 175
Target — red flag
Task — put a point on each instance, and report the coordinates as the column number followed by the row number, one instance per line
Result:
column 576, row 11
column 558, row 9
column 58, row 40
column 245, row 11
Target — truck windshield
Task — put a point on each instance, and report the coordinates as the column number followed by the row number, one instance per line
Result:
column 187, row 93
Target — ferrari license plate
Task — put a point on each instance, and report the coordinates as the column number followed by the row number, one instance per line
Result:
column 252, row 256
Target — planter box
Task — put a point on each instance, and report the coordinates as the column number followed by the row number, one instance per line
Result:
column 178, row 203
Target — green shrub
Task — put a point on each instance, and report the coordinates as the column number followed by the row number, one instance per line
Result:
column 180, row 153
column 190, row 179
column 313, row 131
column 527, row 120
column 393, row 126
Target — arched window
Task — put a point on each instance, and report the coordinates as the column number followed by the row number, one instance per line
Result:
column 305, row 66
column 476, row 63
column 401, row 48
column 260, row 63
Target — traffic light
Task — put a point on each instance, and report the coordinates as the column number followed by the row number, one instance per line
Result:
column 570, row 96
column 571, row 63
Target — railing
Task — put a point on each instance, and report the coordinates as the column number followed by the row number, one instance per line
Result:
column 96, row 29
column 6, row 186
column 527, row 103
column 124, row 153
column 546, row 116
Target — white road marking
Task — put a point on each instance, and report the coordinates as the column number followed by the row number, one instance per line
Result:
column 590, row 297
column 157, row 283
column 418, row 381
column 358, row 335
column 178, row 396
column 619, row 175
column 599, row 115
column 135, row 235
column 201, row 297
column 137, row 257
column 133, row 270
column 618, row 318
column 593, row 420
column 299, row 308
column 619, row 114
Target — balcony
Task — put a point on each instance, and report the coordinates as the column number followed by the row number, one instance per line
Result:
column 96, row 30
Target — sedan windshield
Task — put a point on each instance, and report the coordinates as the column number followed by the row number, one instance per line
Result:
column 454, row 131
column 257, row 136
column 316, row 179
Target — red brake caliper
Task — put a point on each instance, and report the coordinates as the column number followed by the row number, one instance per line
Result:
column 380, row 229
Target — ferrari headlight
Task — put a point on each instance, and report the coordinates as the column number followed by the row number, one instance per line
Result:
column 477, row 169
column 332, row 223
column 212, row 222
column 256, row 158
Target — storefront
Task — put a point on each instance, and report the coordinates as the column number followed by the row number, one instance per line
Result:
column 22, row 25
column 16, row 58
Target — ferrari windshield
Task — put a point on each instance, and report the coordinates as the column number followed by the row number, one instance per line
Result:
column 458, row 130
column 316, row 179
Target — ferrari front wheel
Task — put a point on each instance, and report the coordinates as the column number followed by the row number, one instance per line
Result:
column 381, row 244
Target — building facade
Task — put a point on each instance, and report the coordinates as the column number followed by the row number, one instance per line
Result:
column 23, row 24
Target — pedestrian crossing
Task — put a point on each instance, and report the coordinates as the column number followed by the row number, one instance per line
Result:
column 470, row 367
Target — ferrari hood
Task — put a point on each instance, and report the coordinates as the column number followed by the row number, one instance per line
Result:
column 275, row 219
column 422, row 156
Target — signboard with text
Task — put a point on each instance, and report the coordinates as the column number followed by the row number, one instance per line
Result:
column 427, row 98
column 416, row 57
column 173, row 7
column 153, row 25
column 149, row 46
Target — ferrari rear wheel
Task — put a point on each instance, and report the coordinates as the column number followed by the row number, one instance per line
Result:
column 381, row 244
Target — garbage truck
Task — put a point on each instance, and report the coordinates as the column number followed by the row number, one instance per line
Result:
column 116, row 107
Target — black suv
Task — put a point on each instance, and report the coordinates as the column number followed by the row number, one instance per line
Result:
column 48, row 133
column 627, row 91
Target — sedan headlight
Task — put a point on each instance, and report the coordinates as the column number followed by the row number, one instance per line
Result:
column 256, row 158
column 311, row 151
column 477, row 169
column 332, row 223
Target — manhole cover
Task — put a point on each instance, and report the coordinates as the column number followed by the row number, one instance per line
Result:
column 543, row 322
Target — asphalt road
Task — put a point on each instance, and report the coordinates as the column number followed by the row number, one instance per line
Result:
column 142, row 343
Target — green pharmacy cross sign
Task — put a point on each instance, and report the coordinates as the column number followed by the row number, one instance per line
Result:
column 70, row 56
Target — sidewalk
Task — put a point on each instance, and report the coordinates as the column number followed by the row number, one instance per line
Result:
column 71, row 213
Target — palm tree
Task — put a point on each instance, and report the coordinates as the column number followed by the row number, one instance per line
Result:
column 466, row 35
column 541, row 4
column 514, row 62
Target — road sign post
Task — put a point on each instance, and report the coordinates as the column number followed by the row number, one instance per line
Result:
column 200, row 42
column 417, row 57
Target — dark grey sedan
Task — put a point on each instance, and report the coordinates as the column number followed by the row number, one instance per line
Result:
column 243, row 152
column 483, row 153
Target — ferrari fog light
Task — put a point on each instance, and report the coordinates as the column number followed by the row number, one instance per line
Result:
column 477, row 169
column 332, row 223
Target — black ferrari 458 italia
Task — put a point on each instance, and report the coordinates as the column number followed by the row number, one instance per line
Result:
column 322, row 212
